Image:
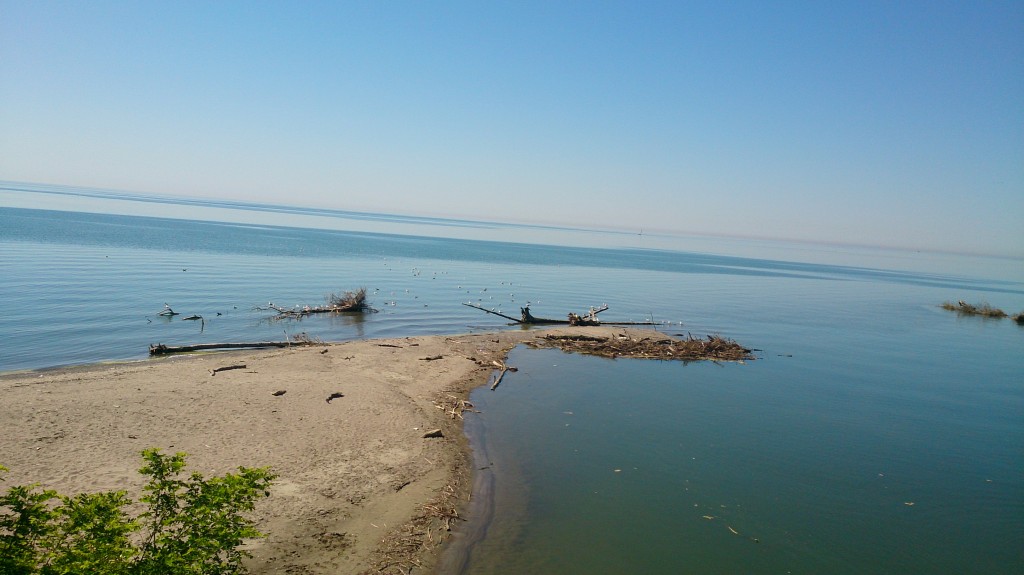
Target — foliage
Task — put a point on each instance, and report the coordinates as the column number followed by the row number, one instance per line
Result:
column 189, row 526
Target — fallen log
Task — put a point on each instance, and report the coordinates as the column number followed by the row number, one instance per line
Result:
column 161, row 349
column 527, row 318
column 499, row 314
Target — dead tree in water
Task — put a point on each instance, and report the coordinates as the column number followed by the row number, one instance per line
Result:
column 527, row 318
column 346, row 302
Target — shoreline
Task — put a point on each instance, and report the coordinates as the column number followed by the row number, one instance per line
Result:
column 360, row 488
column 354, row 474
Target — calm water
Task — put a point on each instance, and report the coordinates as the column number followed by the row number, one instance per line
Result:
column 866, row 396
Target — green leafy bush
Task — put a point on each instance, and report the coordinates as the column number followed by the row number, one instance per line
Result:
column 190, row 525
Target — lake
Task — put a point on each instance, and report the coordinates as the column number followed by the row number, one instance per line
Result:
column 875, row 433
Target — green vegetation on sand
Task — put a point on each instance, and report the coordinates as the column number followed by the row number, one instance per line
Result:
column 191, row 526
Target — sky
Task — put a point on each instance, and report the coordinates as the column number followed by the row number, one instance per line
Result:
column 894, row 123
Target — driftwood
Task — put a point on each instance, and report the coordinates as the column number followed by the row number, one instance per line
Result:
column 499, row 314
column 161, row 349
column 347, row 302
column 527, row 318
column 504, row 368
column 453, row 406
column 216, row 370
column 713, row 348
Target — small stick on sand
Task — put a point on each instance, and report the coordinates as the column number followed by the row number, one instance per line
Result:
column 214, row 371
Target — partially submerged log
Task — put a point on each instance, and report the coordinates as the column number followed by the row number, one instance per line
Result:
column 713, row 348
column 527, row 318
column 491, row 311
column 504, row 368
column 161, row 349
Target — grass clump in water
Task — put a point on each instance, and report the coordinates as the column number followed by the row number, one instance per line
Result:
column 982, row 309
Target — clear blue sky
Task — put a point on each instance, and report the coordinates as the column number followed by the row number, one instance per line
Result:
column 882, row 123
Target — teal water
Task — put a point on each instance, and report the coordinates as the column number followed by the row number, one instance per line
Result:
column 865, row 397
column 859, row 455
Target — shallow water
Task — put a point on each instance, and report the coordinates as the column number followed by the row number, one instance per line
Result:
column 866, row 396
column 853, row 459
column 81, row 287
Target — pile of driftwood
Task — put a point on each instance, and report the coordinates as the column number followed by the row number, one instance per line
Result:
column 350, row 301
column 713, row 348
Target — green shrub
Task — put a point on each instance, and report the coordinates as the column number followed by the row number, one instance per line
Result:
column 190, row 525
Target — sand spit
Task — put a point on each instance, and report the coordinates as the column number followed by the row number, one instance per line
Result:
column 360, row 487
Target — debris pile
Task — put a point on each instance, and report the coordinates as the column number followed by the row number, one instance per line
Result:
column 713, row 348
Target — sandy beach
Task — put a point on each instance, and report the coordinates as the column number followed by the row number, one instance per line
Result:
column 359, row 488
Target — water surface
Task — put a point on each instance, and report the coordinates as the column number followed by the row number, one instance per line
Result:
column 876, row 433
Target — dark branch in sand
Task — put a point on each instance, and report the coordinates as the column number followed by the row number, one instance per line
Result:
column 216, row 370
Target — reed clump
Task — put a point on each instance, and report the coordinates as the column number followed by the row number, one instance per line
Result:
column 982, row 309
